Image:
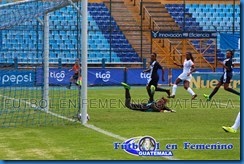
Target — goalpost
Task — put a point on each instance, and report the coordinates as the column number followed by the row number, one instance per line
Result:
column 19, row 87
column 83, row 92
column 83, row 56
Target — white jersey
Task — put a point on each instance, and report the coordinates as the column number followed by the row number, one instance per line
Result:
column 187, row 66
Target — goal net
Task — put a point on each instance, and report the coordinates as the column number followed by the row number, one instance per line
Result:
column 22, row 63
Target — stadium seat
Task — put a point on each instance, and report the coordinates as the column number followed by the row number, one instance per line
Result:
column 209, row 11
column 102, row 18
column 63, row 35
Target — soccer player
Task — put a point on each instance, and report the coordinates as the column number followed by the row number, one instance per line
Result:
column 225, row 78
column 234, row 127
column 76, row 69
column 185, row 76
column 152, row 85
column 158, row 106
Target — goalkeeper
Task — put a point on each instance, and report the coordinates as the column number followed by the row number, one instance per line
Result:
column 76, row 78
column 158, row 106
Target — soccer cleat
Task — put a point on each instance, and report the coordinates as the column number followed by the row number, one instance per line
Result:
column 229, row 129
column 173, row 111
column 126, row 86
column 194, row 96
column 152, row 89
column 207, row 97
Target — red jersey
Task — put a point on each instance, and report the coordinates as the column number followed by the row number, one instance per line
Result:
column 76, row 68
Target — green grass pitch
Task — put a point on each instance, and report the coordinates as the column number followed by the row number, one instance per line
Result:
column 196, row 122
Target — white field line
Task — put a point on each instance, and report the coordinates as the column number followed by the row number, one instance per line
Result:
column 97, row 129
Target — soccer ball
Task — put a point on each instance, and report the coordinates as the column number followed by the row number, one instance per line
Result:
column 80, row 116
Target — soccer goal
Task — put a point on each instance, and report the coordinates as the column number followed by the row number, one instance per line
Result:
column 40, row 42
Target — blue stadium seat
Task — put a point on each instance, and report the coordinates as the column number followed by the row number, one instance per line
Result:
column 215, row 13
column 118, row 40
column 63, row 38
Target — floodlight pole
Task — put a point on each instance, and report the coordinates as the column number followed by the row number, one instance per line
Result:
column 45, row 96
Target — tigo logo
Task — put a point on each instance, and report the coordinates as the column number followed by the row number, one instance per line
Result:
column 104, row 76
column 57, row 75
column 145, row 76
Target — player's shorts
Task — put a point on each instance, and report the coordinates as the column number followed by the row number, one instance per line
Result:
column 153, row 82
column 226, row 77
column 75, row 76
column 183, row 77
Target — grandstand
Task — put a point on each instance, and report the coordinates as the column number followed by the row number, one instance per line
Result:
column 223, row 17
column 119, row 36
column 25, row 41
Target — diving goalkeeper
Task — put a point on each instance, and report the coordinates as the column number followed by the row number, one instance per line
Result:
column 158, row 106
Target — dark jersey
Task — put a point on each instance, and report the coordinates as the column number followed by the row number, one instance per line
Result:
column 227, row 75
column 228, row 63
column 147, row 107
column 152, row 107
column 154, row 66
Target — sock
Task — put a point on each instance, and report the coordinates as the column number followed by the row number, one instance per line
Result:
column 127, row 98
column 161, row 89
column 127, row 93
column 149, row 91
column 150, row 94
column 151, row 98
column 237, row 122
column 174, row 89
column 190, row 91
column 70, row 83
column 213, row 92
column 232, row 91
